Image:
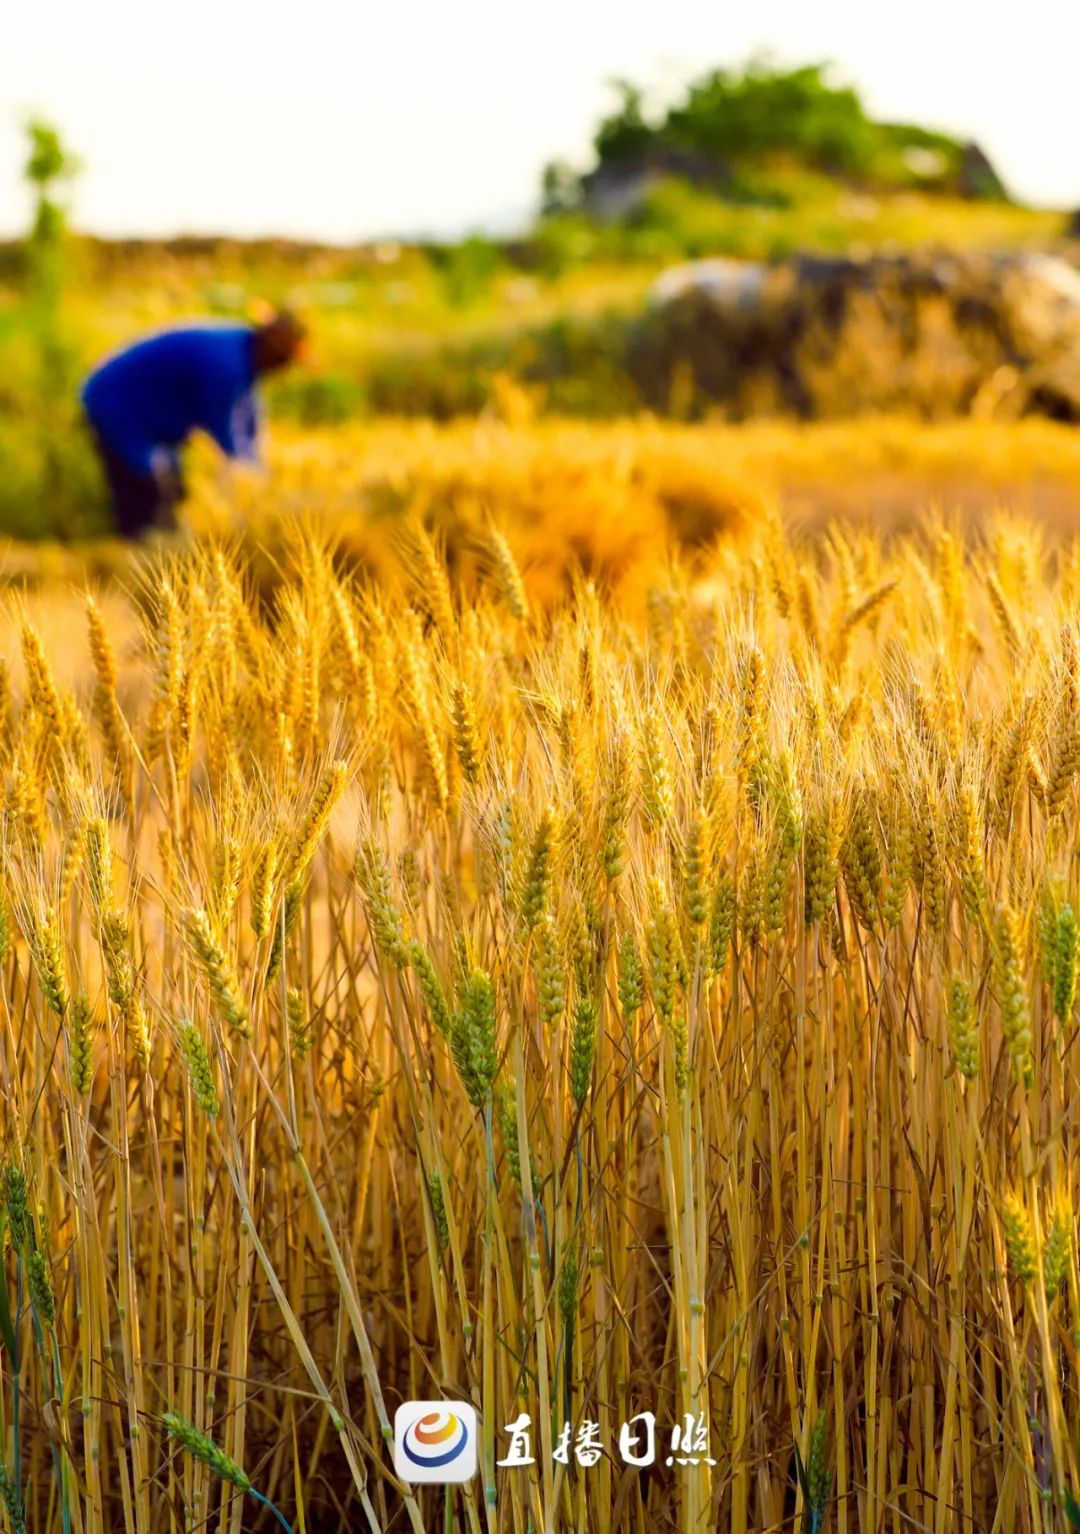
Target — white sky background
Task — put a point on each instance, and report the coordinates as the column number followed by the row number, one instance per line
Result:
column 343, row 119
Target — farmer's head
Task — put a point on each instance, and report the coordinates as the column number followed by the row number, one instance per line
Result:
column 278, row 341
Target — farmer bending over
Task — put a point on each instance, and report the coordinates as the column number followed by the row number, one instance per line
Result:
column 143, row 403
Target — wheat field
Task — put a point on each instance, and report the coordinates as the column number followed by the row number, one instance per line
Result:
column 426, row 984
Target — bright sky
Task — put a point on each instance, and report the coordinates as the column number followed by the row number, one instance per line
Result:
column 343, row 119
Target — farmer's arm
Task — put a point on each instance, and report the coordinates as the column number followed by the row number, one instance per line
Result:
column 234, row 424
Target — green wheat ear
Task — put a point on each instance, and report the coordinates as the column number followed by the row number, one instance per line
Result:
column 1072, row 1509
column 11, row 1500
column 203, row 1448
column 814, row 1476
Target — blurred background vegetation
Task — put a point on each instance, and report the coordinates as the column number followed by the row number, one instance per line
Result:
column 758, row 164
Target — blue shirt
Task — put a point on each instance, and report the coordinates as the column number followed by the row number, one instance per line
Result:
column 151, row 397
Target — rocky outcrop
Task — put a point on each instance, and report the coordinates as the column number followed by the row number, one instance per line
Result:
column 940, row 334
column 978, row 177
column 616, row 190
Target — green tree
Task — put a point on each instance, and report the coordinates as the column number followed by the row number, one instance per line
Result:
column 559, row 190
column 50, row 170
column 58, row 496
column 761, row 110
column 745, row 116
column 625, row 133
